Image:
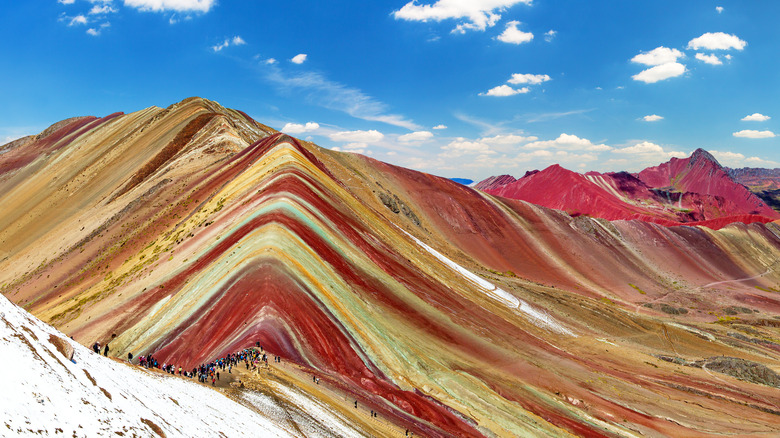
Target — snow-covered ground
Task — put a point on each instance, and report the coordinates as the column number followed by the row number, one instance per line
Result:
column 43, row 393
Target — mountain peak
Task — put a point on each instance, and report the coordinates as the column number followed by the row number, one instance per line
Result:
column 700, row 155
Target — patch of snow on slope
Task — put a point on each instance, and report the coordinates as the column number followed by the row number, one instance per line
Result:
column 497, row 293
column 320, row 420
column 45, row 393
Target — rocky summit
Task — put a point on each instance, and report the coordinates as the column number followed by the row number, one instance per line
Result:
column 388, row 301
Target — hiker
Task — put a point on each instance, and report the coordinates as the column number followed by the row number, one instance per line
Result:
column 355, row 404
column 105, row 351
column 130, row 357
column 96, row 347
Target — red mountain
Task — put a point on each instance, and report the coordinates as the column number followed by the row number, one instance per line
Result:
column 701, row 173
column 682, row 191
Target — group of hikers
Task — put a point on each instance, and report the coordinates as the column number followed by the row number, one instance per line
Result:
column 210, row 371
column 207, row 371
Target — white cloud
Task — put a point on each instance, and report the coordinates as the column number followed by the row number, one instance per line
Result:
column 78, row 19
column 719, row 9
column 709, row 59
column 736, row 159
column 639, row 156
column 528, row 156
column 570, row 143
column 717, row 41
column 297, row 128
column 658, row 56
column 371, row 136
column 440, row 127
column 660, row 72
column 105, row 9
column 508, row 139
column 486, row 147
column 726, row 157
column 92, row 31
column 171, row 5
column 299, row 58
column 270, row 61
column 652, row 118
column 519, row 78
column 550, row 35
column 505, row 90
column 644, row 147
column 66, row 2
column 462, row 146
column 235, row 41
column 756, row 161
column 357, row 147
column 221, row 46
column 333, row 95
column 756, row 117
column 416, row 136
column 478, row 14
column 513, row 35
column 750, row 133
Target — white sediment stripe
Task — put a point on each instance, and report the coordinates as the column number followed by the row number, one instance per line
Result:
column 539, row 317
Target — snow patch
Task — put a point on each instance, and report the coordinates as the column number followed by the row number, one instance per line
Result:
column 539, row 317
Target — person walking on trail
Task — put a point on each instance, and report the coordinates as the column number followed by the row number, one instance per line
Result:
column 96, row 347
column 130, row 357
column 105, row 351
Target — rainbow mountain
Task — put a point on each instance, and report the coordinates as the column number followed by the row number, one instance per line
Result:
column 192, row 231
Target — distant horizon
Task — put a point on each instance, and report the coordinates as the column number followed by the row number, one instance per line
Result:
column 457, row 90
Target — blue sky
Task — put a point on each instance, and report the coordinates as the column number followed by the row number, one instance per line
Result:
column 458, row 88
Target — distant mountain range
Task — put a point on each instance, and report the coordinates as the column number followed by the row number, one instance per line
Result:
column 764, row 183
column 694, row 190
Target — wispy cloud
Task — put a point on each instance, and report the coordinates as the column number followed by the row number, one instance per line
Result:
column 235, row 41
column 78, row 19
column 171, row 5
column 324, row 92
column 545, row 117
column 488, row 128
